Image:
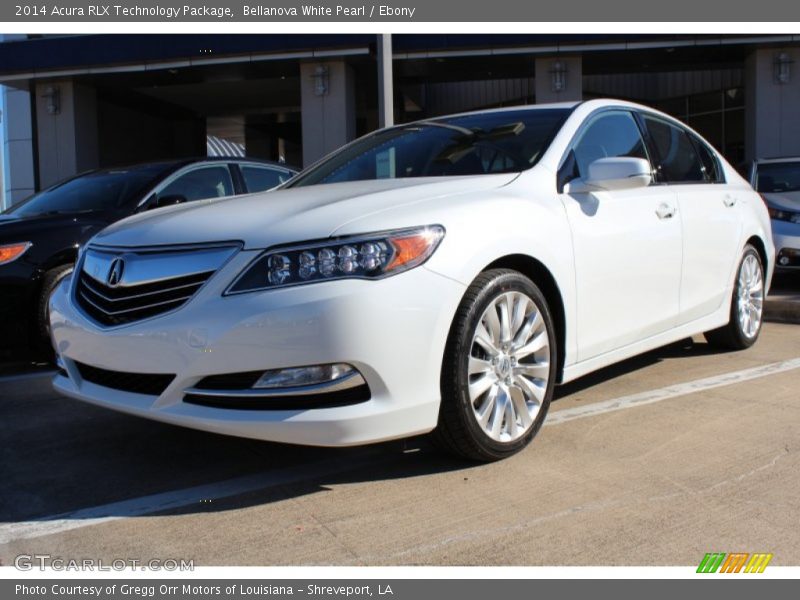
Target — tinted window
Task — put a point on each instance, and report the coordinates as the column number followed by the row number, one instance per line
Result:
column 711, row 169
column 611, row 134
column 259, row 179
column 202, row 183
column 677, row 161
column 498, row 142
column 110, row 190
column 778, row 177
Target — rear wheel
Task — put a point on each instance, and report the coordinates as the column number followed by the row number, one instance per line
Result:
column 499, row 368
column 747, row 306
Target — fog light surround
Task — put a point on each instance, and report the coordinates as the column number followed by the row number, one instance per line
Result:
column 314, row 375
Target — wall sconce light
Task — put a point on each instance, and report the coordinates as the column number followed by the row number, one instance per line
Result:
column 321, row 80
column 558, row 76
column 53, row 96
column 782, row 68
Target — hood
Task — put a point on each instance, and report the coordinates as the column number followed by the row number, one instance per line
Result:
column 25, row 229
column 286, row 216
column 784, row 200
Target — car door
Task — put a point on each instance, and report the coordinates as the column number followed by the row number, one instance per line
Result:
column 627, row 243
column 709, row 215
column 195, row 182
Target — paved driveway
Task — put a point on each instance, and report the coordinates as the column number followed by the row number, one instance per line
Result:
column 654, row 462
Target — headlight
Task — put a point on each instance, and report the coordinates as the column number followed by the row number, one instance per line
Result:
column 370, row 256
column 11, row 252
column 783, row 215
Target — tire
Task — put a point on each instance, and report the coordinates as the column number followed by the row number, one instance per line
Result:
column 747, row 306
column 50, row 282
column 516, row 372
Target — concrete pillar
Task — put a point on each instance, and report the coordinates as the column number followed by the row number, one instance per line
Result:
column 385, row 81
column 327, row 97
column 66, row 120
column 17, row 172
column 571, row 68
column 772, row 121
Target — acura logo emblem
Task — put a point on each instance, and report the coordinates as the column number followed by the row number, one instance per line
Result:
column 115, row 272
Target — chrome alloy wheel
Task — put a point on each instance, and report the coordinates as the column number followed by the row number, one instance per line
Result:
column 751, row 296
column 509, row 366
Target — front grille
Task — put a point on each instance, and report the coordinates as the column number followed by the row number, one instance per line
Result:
column 125, row 304
column 136, row 383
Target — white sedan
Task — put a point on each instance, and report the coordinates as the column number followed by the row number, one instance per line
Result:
column 440, row 276
column 778, row 181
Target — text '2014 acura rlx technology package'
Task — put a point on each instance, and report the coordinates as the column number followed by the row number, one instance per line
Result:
column 440, row 276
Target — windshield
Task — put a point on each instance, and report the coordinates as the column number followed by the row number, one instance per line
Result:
column 498, row 142
column 774, row 178
column 110, row 190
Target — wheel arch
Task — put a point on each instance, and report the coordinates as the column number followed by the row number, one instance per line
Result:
column 761, row 248
column 537, row 272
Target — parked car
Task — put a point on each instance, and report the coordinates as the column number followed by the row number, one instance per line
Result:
column 778, row 181
column 40, row 237
column 441, row 276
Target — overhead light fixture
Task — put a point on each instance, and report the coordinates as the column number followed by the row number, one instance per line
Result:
column 321, row 80
column 558, row 76
column 782, row 68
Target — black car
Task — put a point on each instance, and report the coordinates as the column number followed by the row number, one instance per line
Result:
column 40, row 237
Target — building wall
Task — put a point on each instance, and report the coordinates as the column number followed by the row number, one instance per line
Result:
column 772, row 119
column 66, row 119
column 329, row 118
column 17, row 170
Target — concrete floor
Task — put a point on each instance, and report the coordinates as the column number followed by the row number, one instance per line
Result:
column 660, row 484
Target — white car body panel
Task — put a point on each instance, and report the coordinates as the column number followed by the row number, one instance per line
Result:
column 638, row 298
column 628, row 281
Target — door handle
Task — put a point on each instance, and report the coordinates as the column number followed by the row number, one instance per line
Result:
column 729, row 200
column 665, row 211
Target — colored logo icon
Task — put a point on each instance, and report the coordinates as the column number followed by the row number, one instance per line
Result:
column 737, row 562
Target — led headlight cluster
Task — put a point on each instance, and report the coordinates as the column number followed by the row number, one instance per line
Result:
column 369, row 256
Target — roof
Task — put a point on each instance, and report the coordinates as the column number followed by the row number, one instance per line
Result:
column 181, row 162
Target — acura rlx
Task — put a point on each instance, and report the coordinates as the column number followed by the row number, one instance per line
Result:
column 438, row 276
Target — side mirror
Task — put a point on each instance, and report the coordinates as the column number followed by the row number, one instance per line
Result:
column 169, row 200
column 613, row 173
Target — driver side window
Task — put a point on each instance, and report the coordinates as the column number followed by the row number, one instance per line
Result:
column 611, row 134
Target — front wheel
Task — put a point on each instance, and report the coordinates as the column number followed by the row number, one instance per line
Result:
column 747, row 306
column 50, row 282
column 499, row 368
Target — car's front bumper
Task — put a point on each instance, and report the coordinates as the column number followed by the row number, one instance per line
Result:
column 786, row 237
column 393, row 331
